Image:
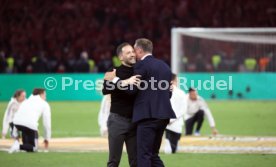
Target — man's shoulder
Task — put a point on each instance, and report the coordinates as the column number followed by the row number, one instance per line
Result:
column 150, row 60
column 44, row 104
column 120, row 68
column 160, row 63
column 12, row 102
column 200, row 98
column 180, row 91
column 112, row 68
column 138, row 64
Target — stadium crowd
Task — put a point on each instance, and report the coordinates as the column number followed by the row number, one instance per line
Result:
column 79, row 36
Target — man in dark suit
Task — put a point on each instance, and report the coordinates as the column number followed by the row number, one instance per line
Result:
column 152, row 107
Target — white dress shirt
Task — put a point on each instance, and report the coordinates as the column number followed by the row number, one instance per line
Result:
column 199, row 104
column 149, row 54
column 179, row 105
column 9, row 114
column 29, row 113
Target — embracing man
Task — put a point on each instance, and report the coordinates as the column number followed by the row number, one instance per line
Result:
column 152, row 108
column 119, row 124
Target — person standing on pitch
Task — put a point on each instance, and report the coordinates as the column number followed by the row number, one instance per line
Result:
column 174, row 129
column 120, row 128
column 152, row 108
column 197, row 108
column 104, row 114
column 26, row 122
column 18, row 97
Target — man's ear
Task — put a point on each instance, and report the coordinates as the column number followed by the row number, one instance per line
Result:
column 140, row 51
column 120, row 57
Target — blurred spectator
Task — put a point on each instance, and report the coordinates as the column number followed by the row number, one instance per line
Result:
column 40, row 64
column 250, row 64
column 105, row 63
column 263, row 63
column 64, row 28
column 61, row 68
column 70, row 63
column 10, row 64
column 82, row 64
column 92, row 65
column 272, row 64
column 230, row 64
column 20, row 64
column 200, row 63
column 216, row 60
column 116, row 61
column 3, row 62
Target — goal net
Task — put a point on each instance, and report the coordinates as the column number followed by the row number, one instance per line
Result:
column 223, row 49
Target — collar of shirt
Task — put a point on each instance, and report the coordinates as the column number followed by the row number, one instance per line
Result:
column 13, row 99
column 35, row 97
column 146, row 56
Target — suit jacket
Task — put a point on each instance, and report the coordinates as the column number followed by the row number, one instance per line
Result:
column 153, row 102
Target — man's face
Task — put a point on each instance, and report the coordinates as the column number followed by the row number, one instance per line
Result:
column 193, row 95
column 43, row 95
column 174, row 81
column 21, row 97
column 128, row 55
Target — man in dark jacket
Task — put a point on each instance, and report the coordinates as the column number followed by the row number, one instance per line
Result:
column 152, row 107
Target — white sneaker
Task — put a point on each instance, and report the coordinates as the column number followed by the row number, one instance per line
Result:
column 197, row 134
column 15, row 147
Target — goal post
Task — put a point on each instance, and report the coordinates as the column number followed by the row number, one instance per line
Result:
column 186, row 43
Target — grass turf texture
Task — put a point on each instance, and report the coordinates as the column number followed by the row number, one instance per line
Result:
column 99, row 159
column 73, row 119
column 243, row 118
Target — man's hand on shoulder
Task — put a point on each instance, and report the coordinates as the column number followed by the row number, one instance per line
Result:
column 134, row 80
column 109, row 76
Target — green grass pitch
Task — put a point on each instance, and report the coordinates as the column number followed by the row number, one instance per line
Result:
column 99, row 160
column 75, row 119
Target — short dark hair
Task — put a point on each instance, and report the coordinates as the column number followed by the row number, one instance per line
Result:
column 18, row 92
column 145, row 44
column 120, row 47
column 191, row 89
column 38, row 91
column 174, row 76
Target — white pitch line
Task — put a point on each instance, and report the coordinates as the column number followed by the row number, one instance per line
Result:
column 266, row 149
column 231, row 138
column 227, row 149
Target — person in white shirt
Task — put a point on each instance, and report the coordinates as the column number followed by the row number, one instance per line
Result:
column 18, row 97
column 26, row 121
column 174, row 128
column 103, row 114
column 197, row 108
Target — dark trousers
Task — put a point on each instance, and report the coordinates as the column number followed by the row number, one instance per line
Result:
column 197, row 118
column 173, row 138
column 121, row 130
column 149, row 138
column 12, row 129
column 29, row 138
